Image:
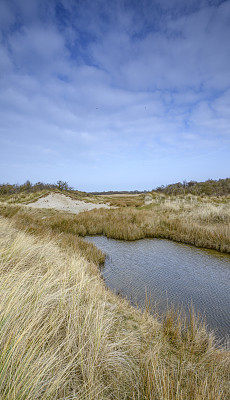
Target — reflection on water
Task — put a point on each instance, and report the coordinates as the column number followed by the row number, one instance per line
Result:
column 170, row 273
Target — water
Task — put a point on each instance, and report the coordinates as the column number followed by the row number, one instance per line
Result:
column 170, row 273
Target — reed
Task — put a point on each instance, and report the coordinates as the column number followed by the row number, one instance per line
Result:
column 63, row 335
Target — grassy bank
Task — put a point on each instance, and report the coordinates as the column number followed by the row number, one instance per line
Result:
column 201, row 221
column 25, row 197
column 63, row 335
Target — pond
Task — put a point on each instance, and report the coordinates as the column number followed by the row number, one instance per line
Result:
column 171, row 274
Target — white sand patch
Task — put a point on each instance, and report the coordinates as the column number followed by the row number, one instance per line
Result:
column 64, row 203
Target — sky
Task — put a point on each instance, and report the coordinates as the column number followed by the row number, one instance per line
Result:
column 117, row 94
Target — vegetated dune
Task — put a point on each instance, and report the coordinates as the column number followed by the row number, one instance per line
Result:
column 200, row 221
column 63, row 335
column 65, row 203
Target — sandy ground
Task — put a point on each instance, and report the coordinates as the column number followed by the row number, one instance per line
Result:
column 64, row 203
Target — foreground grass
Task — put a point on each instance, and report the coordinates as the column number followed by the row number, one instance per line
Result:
column 63, row 335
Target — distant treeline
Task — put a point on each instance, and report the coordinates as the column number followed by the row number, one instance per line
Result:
column 7, row 188
column 210, row 187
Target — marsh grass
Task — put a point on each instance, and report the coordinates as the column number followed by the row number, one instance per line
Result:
column 200, row 221
column 23, row 197
column 63, row 335
column 41, row 223
column 124, row 200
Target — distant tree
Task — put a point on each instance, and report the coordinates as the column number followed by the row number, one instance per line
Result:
column 62, row 185
column 27, row 186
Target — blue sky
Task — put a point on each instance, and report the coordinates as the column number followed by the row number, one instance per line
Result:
column 114, row 94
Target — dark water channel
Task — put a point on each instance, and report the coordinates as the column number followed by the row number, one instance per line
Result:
column 170, row 273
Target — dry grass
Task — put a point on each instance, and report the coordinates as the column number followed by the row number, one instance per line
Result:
column 42, row 223
column 23, row 197
column 203, row 222
column 124, row 200
column 59, row 337
column 63, row 335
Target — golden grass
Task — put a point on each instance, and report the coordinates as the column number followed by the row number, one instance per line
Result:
column 124, row 200
column 203, row 222
column 37, row 222
column 25, row 197
column 63, row 335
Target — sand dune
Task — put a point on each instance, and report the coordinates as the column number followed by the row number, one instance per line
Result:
column 65, row 203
